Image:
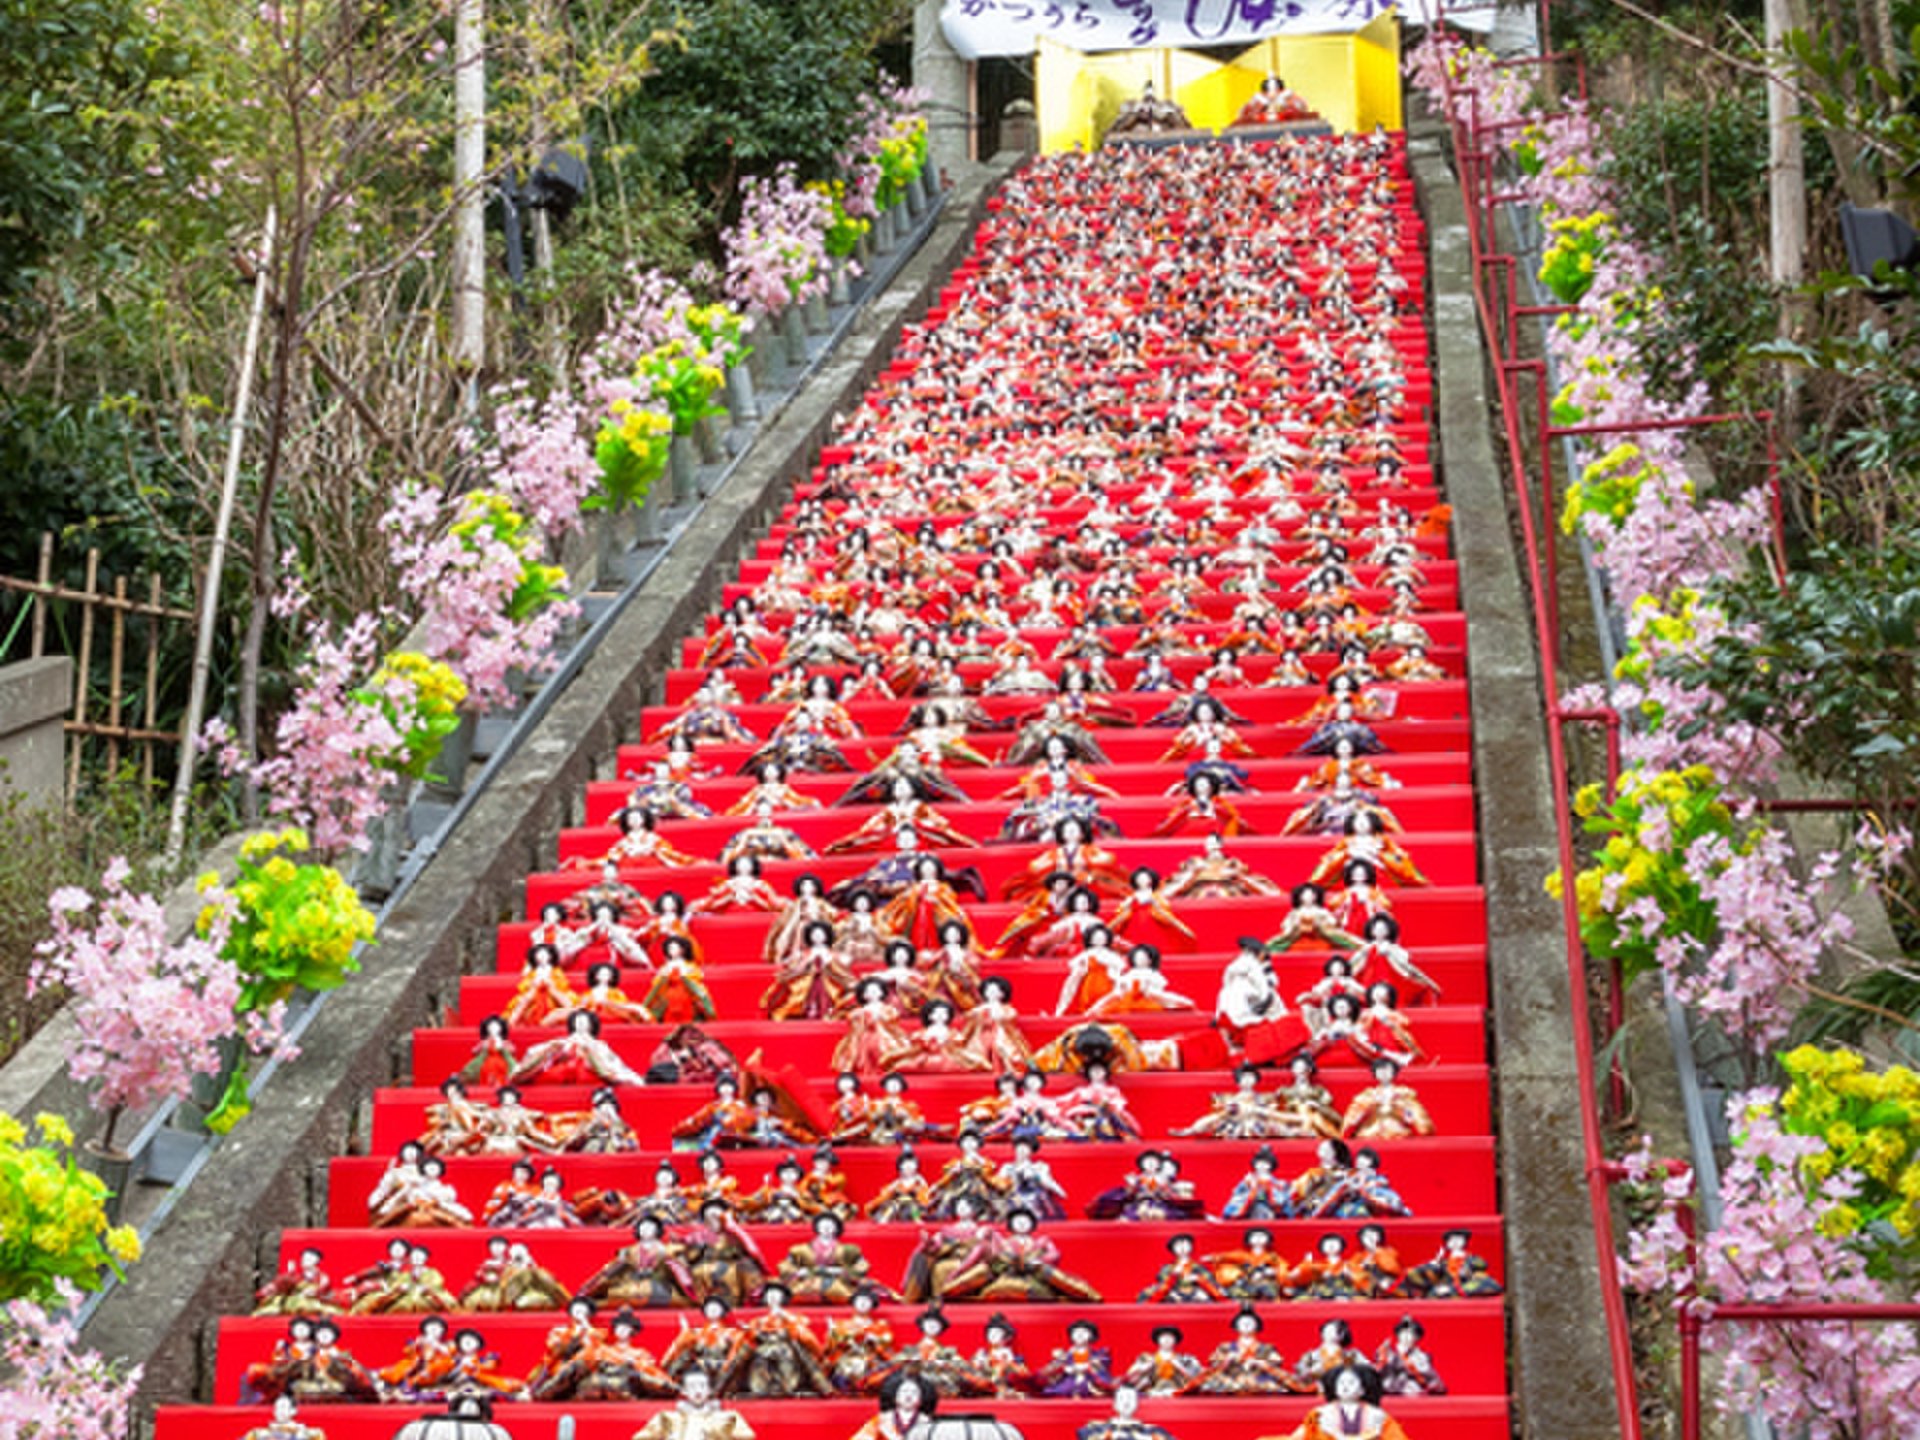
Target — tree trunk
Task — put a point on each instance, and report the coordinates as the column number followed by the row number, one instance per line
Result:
column 1787, row 202
column 469, row 175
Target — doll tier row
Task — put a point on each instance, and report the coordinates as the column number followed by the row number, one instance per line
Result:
column 738, row 983
column 1062, row 509
column 1433, row 1177
column 369, row 1272
column 1433, row 914
column 1216, row 627
column 1186, row 1041
column 1444, row 858
column 1465, row 1340
column 1424, row 792
column 1464, row 1418
column 1390, row 739
column 1271, row 447
column 1162, row 1102
column 1269, row 799
column 1272, row 358
column 1444, row 633
column 1260, row 711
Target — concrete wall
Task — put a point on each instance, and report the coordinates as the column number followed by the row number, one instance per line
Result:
column 948, row 81
column 36, row 696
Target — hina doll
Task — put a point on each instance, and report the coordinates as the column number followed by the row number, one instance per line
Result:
column 1091, row 973
column 771, row 792
column 1207, row 731
column 543, row 992
column 1000, row 1360
column 779, row 1201
column 579, row 1057
column 1387, row 1033
column 1081, row 1369
column 1334, row 1350
column 1253, row 1270
column 1140, row 988
column 723, row 1255
column 1242, row 1113
column 1383, row 957
column 418, row 1198
column 1097, row 1109
column 852, row 1110
column 1454, row 1271
column 1055, row 920
column 1073, row 853
column 1366, row 840
column 812, row 982
column 859, row 1346
column 1374, row 1266
column 779, row 1354
column 604, row 1130
column 875, row 1032
column 739, row 891
column 823, row 1189
column 412, row 1288
column 971, row 1176
column 826, row 1270
column 1202, row 810
column 1215, row 875
column 552, row 930
column 1028, row 1183
column 267, row 1380
column 1248, row 993
column 1185, row 1279
column 679, row 993
column 906, row 1401
column 285, row 1424
column 1166, row 1369
column 955, row 1248
column 568, row 1354
column 936, row 1363
column 619, row 1368
column 1403, row 1362
column 493, row 1055
column 1386, row 1109
column 1245, row 1365
column 1151, row 1191
column 1351, row 1410
column 904, row 810
column 991, row 1030
column 670, row 922
column 1260, row 1194
column 649, row 1272
column 301, row 1289
column 523, row 1283
column 604, row 998
column 897, row 1120
column 1309, row 918
column 905, row 1198
column 916, row 913
column 1125, row 1422
column 640, row 845
column 705, row 1349
column 1020, row 1264
column 937, row 1047
column 329, row 1373
column 808, row 906
column 423, row 1366
column 697, row 1415
column 951, row 970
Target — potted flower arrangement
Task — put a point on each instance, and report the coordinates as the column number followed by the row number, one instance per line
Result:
column 843, row 236
column 150, row 1014
column 421, row 700
column 56, row 1232
column 684, row 380
column 289, row 927
column 722, row 333
column 631, row 451
column 776, row 255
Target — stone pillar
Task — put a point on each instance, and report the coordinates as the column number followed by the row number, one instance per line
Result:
column 948, row 83
column 35, row 699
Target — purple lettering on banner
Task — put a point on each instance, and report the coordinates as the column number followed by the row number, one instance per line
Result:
column 1084, row 17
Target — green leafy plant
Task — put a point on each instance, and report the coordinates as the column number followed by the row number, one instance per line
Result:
column 53, row 1219
column 631, row 450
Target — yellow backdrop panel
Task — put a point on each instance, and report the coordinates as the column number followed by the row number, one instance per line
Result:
column 1351, row 80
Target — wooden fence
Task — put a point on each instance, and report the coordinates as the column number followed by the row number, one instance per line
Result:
column 116, row 642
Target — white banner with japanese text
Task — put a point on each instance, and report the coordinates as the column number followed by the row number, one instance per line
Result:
column 1010, row 27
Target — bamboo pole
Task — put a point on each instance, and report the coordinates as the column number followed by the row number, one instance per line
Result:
column 217, row 557
column 116, row 686
column 149, row 712
column 84, row 669
column 40, row 596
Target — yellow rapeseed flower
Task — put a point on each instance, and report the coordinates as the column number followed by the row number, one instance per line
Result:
column 54, row 1127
